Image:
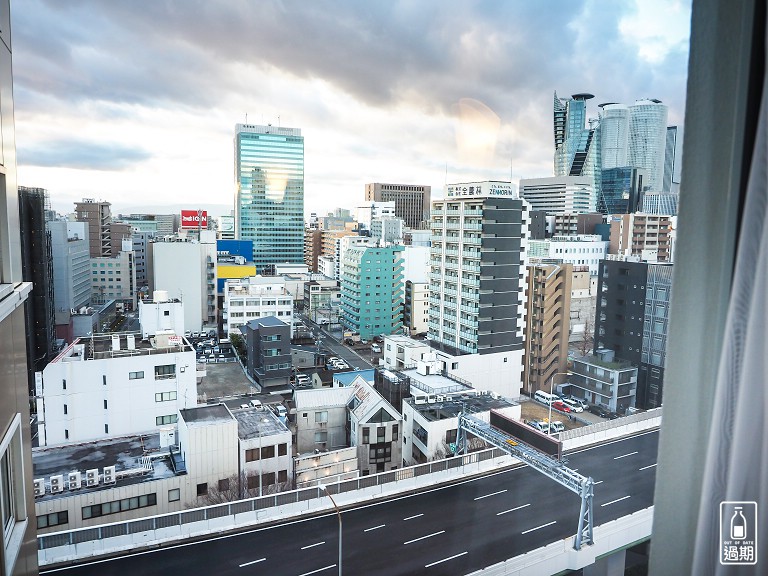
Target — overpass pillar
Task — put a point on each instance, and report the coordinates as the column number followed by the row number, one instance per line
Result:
column 611, row 565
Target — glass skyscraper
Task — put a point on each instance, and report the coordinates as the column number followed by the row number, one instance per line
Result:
column 577, row 148
column 648, row 139
column 269, row 202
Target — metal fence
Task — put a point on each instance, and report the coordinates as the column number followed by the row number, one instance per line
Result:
column 48, row 541
column 609, row 424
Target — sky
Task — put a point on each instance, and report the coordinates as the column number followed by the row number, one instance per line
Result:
column 136, row 102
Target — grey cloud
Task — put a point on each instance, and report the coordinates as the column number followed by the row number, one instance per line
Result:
column 82, row 155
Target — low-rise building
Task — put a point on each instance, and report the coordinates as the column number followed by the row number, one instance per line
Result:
column 116, row 384
column 265, row 451
column 605, row 380
column 247, row 299
column 431, row 422
column 321, row 419
column 160, row 314
column 375, row 428
column 578, row 250
column 326, row 467
column 268, row 343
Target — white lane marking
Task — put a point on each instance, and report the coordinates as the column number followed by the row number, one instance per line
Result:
column 575, row 469
column 492, row 494
column 646, row 467
column 512, row 509
column 313, row 545
column 412, row 517
column 374, row 528
column 424, row 537
column 592, row 447
column 538, row 527
column 625, row 455
column 318, row 570
column 614, row 501
column 253, row 562
column 444, row 560
column 599, row 482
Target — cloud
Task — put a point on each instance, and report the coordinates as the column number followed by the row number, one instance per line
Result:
column 82, row 155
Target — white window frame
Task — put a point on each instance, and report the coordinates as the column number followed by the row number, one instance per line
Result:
column 13, row 534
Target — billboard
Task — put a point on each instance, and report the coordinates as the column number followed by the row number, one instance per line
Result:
column 191, row 219
column 547, row 444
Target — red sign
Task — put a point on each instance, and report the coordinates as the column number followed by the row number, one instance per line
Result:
column 192, row 219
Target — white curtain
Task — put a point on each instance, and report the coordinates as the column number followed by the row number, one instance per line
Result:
column 737, row 457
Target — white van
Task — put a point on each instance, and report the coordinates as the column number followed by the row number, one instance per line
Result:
column 545, row 397
column 556, row 426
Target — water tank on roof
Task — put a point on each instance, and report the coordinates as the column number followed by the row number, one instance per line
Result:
column 160, row 296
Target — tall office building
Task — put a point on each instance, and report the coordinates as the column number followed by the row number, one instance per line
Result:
column 632, row 320
column 622, row 189
column 648, row 139
column 577, row 148
column 560, row 194
column 269, row 202
column 37, row 267
column 614, row 135
column 98, row 216
column 71, row 259
column 18, row 547
column 411, row 200
column 477, row 276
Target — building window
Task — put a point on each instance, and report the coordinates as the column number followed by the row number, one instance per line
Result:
column 64, row 384
column 321, row 437
column 271, row 338
column 166, row 312
column 174, row 495
column 116, row 506
column 282, row 449
column 282, row 476
column 170, row 419
column 66, row 434
column 395, row 431
column 165, row 371
column 380, row 433
column 104, row 379
column 105, row 404
column 268, row 452
column 321, row 416
column 12, row 494
column 65, row 408
column 224, row 485
column 253, row 482
column 252, row 455
column 165, row 396
column 450, row 436
column 202, row 489
column 106, row 428
column 53, row 519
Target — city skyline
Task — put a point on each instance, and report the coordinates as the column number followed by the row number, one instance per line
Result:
column 455, row 101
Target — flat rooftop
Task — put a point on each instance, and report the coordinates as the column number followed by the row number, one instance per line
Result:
column 206, row 414
column 101, row 346
column 453, row 406
column 255, row 422
column 124, row 453
column 407, row 342
column 435, row 383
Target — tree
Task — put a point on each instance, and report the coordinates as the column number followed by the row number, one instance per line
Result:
column 242, row 486
column 586, row 345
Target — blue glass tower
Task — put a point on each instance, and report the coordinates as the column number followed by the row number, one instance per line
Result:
column 269, row 202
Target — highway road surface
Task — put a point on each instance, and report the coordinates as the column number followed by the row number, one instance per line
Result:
column 447, row 530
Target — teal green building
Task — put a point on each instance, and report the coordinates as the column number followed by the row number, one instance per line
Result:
column 269, row 202
column 372, row 290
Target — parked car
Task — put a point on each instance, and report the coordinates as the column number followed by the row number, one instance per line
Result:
column 363, row 341
column 349, row 342
column 573, row 405
column 598, row 410
column 375, row 348
column 580, row 402
column 378, row 339
column 556, row 426
column 560, row 406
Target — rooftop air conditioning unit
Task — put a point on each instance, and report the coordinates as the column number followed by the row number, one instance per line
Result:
column 92, row 477
column 57, row 484
column 39, row 487
column 109, row 475
column 74, row 480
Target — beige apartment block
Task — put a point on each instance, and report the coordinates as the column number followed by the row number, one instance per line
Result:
column 645, row 235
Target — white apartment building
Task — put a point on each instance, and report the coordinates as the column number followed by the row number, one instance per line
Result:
column 160, row 314
column 388, row 230
column 579, row 250
column 186, row 269
column 559, row 194
column 326, row 265
column 265, row 450
column 416, row 311
column 374, row 211
column 115, row 384
column 247, row 299
column 114, row 278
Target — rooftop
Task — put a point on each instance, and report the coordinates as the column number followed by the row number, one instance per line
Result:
column 206, row 414
column 118, row 345
column 255, row 422
column 406, row 342
column 322, row 398
column 452, row 406
column 435, row 383
column 266, row 321
column 347, row 378
column 124, row 453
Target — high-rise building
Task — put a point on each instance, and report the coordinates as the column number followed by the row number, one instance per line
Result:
column 98, row 216
column 622, row 189
column 411, row 200
column 37, row 267
column 118, row 232
column 311, row 248
column 577, row 148
column 371, row 290
column 670, row 159
column 632, row 320
column 71, row 257
column 614, row 135
column 269, row 202
column 477, row 273
column 141, row 242
column 114, row 278
column 18, row 548
column 559, row 194
column 416, row 309
column 548, row 296
column 647, row 139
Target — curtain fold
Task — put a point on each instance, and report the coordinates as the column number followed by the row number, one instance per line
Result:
column 737, row 456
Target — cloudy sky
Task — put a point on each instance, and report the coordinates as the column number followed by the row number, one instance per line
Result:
column 136, row 102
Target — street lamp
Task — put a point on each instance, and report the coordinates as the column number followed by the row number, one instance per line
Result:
column 338, row 513
column 551, row 392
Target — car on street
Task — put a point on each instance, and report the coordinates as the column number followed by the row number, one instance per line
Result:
column 562, row 407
